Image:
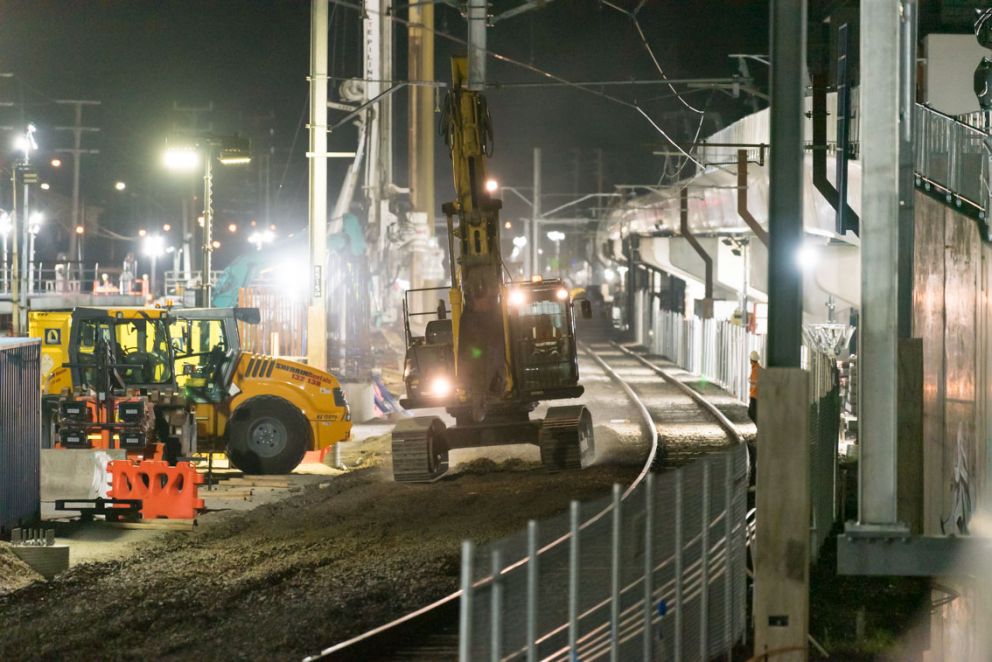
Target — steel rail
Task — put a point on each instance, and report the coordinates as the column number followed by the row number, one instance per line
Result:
column 652, row 431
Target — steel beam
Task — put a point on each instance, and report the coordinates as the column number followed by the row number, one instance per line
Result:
column 686, row 232
column 785, row 200
column 742, row 204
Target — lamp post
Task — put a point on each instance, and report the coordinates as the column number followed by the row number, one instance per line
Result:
column 229, row 150
column 5, row 228
column 557, row 236
column 34, row 225
column 154, row 247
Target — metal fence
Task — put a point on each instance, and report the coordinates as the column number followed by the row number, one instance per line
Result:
column 20, row 431
column 719, row 351
column 715, row 350
column 953, row 158
column 659, row 575
column 68, row 278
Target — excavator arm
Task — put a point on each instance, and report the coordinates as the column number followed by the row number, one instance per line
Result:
column 479, row 326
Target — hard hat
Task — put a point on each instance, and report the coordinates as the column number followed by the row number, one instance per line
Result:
column 755, row 356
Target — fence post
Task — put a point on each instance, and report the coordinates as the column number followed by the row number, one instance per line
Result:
column 615, row 579
column 496, row 609
column 678, row 564
column 573, row 581
column 465, row 607
column 531, row 591
column 728, row 610
column 704, row 591
column 648, row 565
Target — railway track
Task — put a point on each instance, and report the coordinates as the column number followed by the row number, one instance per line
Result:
column 665, row 409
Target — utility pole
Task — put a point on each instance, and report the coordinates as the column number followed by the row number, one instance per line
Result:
column 76, row 239
column 421, row 124
column 317, row 208
column 477, row 20
column 535, row 217
column 194, row 129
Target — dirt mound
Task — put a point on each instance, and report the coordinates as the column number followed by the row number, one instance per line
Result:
column 14, row 573
column 288, row 578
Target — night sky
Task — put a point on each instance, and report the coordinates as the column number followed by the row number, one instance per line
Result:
column 250, row 58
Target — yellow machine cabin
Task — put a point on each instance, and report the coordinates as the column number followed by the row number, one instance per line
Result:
column 264, row 412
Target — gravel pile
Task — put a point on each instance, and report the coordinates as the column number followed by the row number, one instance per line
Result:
column 289, row 578
column 15, row 574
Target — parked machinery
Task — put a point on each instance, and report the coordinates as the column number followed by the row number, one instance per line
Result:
column 179, row 380
column 491, row 350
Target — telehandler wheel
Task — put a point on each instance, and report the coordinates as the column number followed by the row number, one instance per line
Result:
column 566, row 438
column 267, row 435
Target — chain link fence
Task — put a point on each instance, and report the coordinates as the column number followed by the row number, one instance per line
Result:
column 658, row 575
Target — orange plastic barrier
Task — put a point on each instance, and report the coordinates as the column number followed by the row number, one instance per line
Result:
column 165, row 491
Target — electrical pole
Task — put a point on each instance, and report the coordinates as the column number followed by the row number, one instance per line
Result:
column 421, row 129
column 535, row 217
column 317, row 208
column 193, row 130
column 78, row 219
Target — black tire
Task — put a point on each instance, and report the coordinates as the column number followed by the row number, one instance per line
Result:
column 267, row 435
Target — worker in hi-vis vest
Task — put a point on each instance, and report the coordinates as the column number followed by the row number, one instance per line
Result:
column 752, row 405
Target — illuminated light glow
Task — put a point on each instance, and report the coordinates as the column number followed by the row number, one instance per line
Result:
column 517, row 298
column 440, row 387
column 120, row 186
column 235, row 160
column 807, row 257
column 508, row 225
column 520, row 241
column 80, row 229
column 260, row 238
column 492, row 186
column 35, row 221
column 153, row 245
column 536, row 278
column 166, row 227
column 609, row 275
column 562, row 294
column 5, row 226
column 182, row 159
column 45, row 186
column 200, row 221
column 273, row 227
column 142, row 232
column 556, row 235
column 215, row 244
column 56, row 163
column 232, row 228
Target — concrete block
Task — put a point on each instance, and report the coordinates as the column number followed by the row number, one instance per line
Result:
column 361, row 400
column 76, row 474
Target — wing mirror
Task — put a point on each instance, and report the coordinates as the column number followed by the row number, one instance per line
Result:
column 586, row 307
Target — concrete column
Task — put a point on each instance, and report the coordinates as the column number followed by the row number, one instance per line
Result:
column 317, row 209
column 877, row 336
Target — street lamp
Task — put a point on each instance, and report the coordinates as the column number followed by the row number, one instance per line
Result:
column 154, row 247
column 5, row 228
column 120, row 186
column 258, row 239
column 34, row 226
column 557, row 236
column 228, row 150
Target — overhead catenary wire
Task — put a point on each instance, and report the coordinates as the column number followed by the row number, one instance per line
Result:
column 633, row 105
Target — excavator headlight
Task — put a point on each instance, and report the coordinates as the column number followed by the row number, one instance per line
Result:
column 517, row 298
column 440, row 387
column 562, row 294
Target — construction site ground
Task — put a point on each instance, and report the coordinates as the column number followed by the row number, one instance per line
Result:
column 296, row 569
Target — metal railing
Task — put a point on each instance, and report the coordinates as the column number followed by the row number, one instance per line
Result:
column 68, row 278
column 660, row 575
column 715, row 350
column 176, row 283
column 953, row 159
column 719, row 352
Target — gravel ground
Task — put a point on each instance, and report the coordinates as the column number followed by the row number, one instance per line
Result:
column 291, row 577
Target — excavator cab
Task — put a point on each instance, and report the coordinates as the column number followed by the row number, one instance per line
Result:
column 543, row 330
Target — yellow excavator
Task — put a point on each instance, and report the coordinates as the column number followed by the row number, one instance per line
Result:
column 491, row 349
column 170, row 383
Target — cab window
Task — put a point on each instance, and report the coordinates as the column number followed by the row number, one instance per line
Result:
column 203, row 351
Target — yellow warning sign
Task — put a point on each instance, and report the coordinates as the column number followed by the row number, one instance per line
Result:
column 53, row 336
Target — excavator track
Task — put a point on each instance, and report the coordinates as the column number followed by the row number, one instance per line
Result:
column 566, row 438
column 420, row 454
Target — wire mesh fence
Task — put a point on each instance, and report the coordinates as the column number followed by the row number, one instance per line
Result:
column 659, row 575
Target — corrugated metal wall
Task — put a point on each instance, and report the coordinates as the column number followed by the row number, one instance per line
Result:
column 20, row 431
